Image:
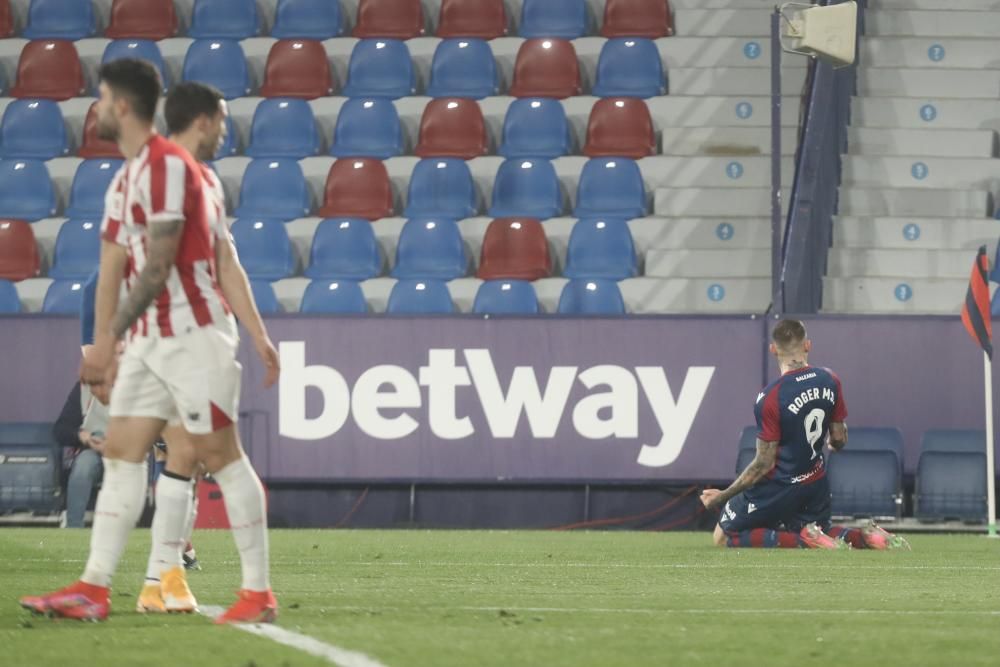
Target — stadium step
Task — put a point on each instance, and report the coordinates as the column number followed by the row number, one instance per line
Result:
column 724, row 141
column 664, row 263
column 697, row 233
column 926, row 113
column 877, row 141
column 914, row 233
column 930, row 52
column 862, row 263
column 916, row 172
column 31, row 292
column 745, row 81
column 697, row 295
column 723, row 22
column 916, row 202
column 893, row 295
column 936, row 24
column 925, row 82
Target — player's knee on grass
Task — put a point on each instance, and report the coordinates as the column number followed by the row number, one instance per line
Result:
column 130, row 438
column 719, row 536
column 218, row 449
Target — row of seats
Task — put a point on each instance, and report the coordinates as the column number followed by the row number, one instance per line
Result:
column 358, row 188
column 368, row 127
column 323, row 19
column 628, row 67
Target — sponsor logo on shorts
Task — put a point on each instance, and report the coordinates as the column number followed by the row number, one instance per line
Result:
column 730, row 514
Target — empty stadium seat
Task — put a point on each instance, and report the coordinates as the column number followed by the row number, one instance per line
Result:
column 78, row 249
column 297, row 68
column 526, row 187
column 380, row 68
column 430, row 249
column 274, row 189
column 565, row 19
column 64, row 297
column 591, row 297
column 344, row 249
column 367, row 128
column 58, row 19
column 32, row 129
column 142, row 19
column 357, row 188
column 224, row 19
column 137, row 48
column 535, row 127
column 546, row 68
column 463, row 68
column 953, row 440
column 25, row 190
column 452, row 127
column 90, row 184
column 6, row 20
column 334, row 297
column 515, row 249
column 951, row 485
column 601, row 248
column 265, row 298
column 748, row 437
column 441, row 187
column 307, row 19
column 420, row 297
column 93, row 146
column 10, row 302
column 485, row 19
column 49, row 69
column 18, row 251
column 610, row 187
column 34, row 484
column 506, row 297
column 629, row 67
column 878, row 438
column 264, row 248
column 284, row 128
column 220, row 63
column 864, row 483
column 637, row 18
column 743, row 459
column 389, row 19
column 230, row 145
column 620, row 126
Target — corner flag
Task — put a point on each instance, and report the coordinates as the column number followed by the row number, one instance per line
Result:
column 976, row 311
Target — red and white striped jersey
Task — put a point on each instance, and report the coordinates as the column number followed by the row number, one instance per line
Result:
column 160, row 184
column 215, row 197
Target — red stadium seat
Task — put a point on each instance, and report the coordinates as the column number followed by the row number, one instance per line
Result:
column 452, row 127
column 389, row 19
column 18, row 251
column 6, row 20
column 49, row 69
column 637, row 18
column 620, row 127
column 484, row 19
column 142, row 19
column 93, row 146
column 297, row 68
column 546, row 68
column 515, row 249
column 357, row 188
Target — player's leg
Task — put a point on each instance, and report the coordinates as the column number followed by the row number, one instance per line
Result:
column 812, row 516
column 754, row 523
column 190, row 556
column 869, row 536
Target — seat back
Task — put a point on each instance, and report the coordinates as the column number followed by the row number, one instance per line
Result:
column 591, row 297
column 368, row 127
column 951, row 485
column 284, row 128
column 748, row 438
column 877, row 438
column 535, row 127
column 90, row 184
column 611, row 187
column 33, row 129
column 865, row 483
column 452, row 127
column 6, row 20
column 380, row 68
column 78, row 249
column 307, row 19
column 265, row 298
column 219, row 62
column 25, row 190
column 389, row 19
column 506, row 297
column 224, row 19
column 297, row 68
column 58, row 19
column 93, row 146
column 30, row 468
column 637, row 18
column 10, row 302
column 463, row 68
column 565, row 19
column 515, row 249
column 441, row 187
column 484, row 19
column 420, row 297
column 743, row 459
column 334, row 297
column 952, row 440
column 344, row 249
column 357, row 188
column 629, row 67
column 430, row 249
column 264, row 249
column 546, row 68
column 142, row 49
column 526, row 187
column 18, row 251
column 275, row 189
column 620, row 126
column 601, row 248
column 49, row 69
column 142, row 19
column 64, row 297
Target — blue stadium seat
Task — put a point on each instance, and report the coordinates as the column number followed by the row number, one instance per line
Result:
column 219, row 62
column 368, row 128
column 334, row 297
column 506, row 297
column 591, row 297
column 264, row 248
column 33, row 129
column 265, row 298
column 224, row 19
column 86, row 198
column 58, row 19
column 430, row 249
column 25, row 190
column 951, row 485
column 535, row 127
column 743, row 459
column 345, row 249
column 566, row 19
column 864, row 483
column 629, row 67
column 284, row 128
column 35, row 483
column 78, row 249
column 748, row 438
column 380, row 68
column 63, row 297
column 877, row 438
column 10, row 302
column 137, row 48
column 3, row 82
column 441, row 187
column 420, row 297
column 610, row 187
column 274, row 189
column 307, row 19
column 231, row 145
column 463, row 68
column 952, row 440
column 526, row 187
column 601, row 248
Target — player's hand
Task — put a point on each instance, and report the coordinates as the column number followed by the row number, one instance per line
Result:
column 711, row 498
column 269, row 357
column 95, row 363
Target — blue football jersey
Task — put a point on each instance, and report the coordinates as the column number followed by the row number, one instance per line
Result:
column 796, row 411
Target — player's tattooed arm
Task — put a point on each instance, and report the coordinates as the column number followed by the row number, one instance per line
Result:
column 164, row 240
column 838, row 435
column 767, row 453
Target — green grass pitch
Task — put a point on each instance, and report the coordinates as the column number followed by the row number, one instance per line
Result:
column 468, row 599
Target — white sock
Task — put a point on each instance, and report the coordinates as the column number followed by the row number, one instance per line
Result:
column 119, row 505
column 244, row 498
column 173, row 506
column 192, row 516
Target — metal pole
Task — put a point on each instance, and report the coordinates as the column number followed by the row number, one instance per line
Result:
column 777, row 292
column 991, row 498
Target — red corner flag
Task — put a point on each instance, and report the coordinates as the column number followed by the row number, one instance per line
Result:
column 976, row 311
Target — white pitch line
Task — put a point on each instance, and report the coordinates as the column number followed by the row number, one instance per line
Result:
column 334, row 654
